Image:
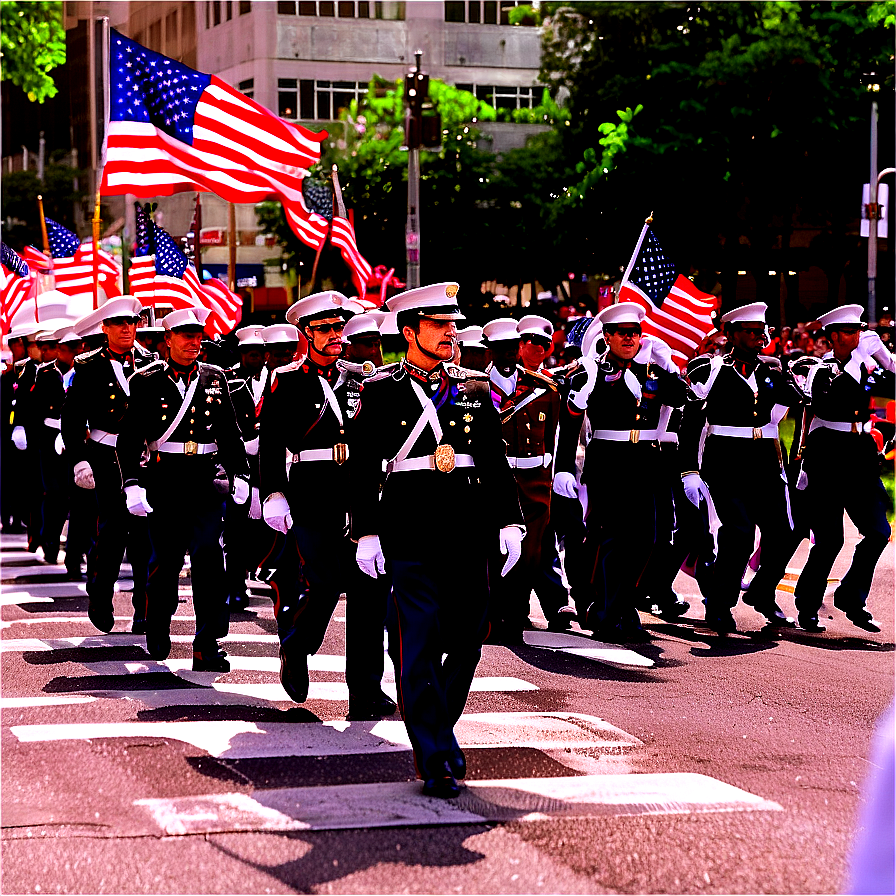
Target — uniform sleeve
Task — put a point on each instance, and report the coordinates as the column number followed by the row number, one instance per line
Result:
column 365, row 462
column 272, row 430
column 132, row 434
column 74, row 417
column 243, row 407
column 693, row 417
column 231, row 449
column 673, row 390
column 571, row 419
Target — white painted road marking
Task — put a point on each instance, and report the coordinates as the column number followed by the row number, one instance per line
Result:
column 13, row 598
column 239, row 739
column 577, row 645
column 28, row 702
column 366, row 806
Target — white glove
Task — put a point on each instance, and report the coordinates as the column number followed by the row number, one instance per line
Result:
column 255, row 505
column 240, row 490
column 19, row 439
column 369, row 556
column 252, row 446
column 84, row 475
column 58, row 444
column 275, row 511
column 565, row 484
column 135, row 496
column 871, row 346
column 511, row 541
column 694, row 488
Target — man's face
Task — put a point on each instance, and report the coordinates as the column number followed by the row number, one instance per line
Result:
column 65, row 355
column 845, row 341
column 252, row 359
column 436, row 338
column 325, row 336
column 366, row 347
column 184, row 346
column 474, row 358
column 17, row 347
column 47, row 351
column 279, row 354
column 505, row 354
column 534, row 350
column 749, row 336
column 121, row 333
column 624, row 340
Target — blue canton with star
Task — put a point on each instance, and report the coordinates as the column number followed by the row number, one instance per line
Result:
column 12, row 261
column 170, row 261
column 149, row 87
column 653, row 273
column 63, row 243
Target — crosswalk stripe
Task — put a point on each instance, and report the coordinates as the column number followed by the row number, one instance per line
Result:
column 14, row 598
column 240, row 739
column 394, row 804
column 123, row 639
column 29, row 702
column 578, row 645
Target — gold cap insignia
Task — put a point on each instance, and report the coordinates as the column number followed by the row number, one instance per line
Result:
column 451, row 290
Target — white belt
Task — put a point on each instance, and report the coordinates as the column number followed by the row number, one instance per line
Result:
column 530, row 463
column 188, row 448
column 669, row 438
column 53, row 422
column 338, row 453
column 769, row 431
column 625, row 435
column 839, row 425
column 103, row 437
column 426, row 463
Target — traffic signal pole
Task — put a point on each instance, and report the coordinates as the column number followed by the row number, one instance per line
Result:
column 416, row 89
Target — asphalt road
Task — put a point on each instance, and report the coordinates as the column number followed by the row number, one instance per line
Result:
column 727, row 766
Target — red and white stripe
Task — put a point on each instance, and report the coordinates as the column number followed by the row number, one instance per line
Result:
column 14, row 292
column 76, row 274
column 343, row 236
column 684, row 320
column 240, row 151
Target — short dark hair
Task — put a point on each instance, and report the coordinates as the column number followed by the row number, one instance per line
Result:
column 408, row 319
column 321, row 315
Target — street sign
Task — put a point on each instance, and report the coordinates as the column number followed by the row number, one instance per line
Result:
column 883, row 195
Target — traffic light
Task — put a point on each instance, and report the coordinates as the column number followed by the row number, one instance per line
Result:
column 422, row 124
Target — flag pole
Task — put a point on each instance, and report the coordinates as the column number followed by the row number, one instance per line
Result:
column 628, row 271
column 320, row 248
column 46, row 239
column 197, row 230
column 105, row 51
column 231, row 245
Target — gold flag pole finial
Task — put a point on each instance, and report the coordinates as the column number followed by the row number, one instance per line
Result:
column 649, row 219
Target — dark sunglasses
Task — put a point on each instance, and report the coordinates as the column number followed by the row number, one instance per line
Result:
column 627, row 331
column 120, row 321
column 326, row 328
column 753, row 329
column 535, row 340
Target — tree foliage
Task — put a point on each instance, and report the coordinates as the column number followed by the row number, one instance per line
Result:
column 32, row 44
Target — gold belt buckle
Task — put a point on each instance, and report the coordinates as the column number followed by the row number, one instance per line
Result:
column 444, row 458
column 855, row 427
column 340, row 453
column 634, row 436
column 191, row 448
column 757, row 432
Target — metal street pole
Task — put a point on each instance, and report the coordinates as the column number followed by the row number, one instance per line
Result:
column 872, row 222
column 413, row 126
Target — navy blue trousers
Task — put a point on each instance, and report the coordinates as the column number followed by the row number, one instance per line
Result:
column 437, row 608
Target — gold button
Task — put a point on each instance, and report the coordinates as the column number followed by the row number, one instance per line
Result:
column 164, row 417
column 451, row 423
column 404, row 423
column 755, row 414
column 191, row 420
column 207, row 413
column 637, row 416
column 112, row 397
column 466, row 429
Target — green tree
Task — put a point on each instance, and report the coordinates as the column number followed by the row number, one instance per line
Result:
column 734, row 121
column 32, row 44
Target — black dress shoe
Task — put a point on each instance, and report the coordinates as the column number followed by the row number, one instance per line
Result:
column 74, row 575
column 673, row 609
column 158, row 644
column 810, row 624
column 138, row 626
column 442, row 785
column 370, row 709
column 100, row 613
column 294, row 674
column 721, row 622
column 216, row 662
column 864, row 620
column 776, row 618
column 457, row 762
column 562, row 621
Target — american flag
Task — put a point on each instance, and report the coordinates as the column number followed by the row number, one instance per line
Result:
column 72, row 263
column 677, row 312
column 161, row 274
column 16, row 286
column 173, row 129
column 319, row 201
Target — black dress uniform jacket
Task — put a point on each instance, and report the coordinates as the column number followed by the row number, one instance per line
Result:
column 486, row 494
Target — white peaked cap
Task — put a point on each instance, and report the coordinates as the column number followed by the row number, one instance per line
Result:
column 25, row 328
column 249, row 336
column 500, row 330
column 280, row 333
column 622, row 313
column 79, row 305
column 386, row 321
column 438, row 301
column 320, row 303
column 121, row 306
column 52, row 304
column 753, row 313
column 535, row 324
column 361, row 324
column 67, row 334
column 470, row 336
column 48, row 328
column 186, row 317
column 848, row 315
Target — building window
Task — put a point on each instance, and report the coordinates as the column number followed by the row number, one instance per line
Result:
column 228, row 7
column 286, row 7
column 486, row 12
column 389, row 9
column 155, row 36
column 287, row 97
column 323, row 100
column 247, row 88
column 216, row 12
column 344, row 9
column 326, row 8
column 172, row 35
column 501, row 97
column 245, row 7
